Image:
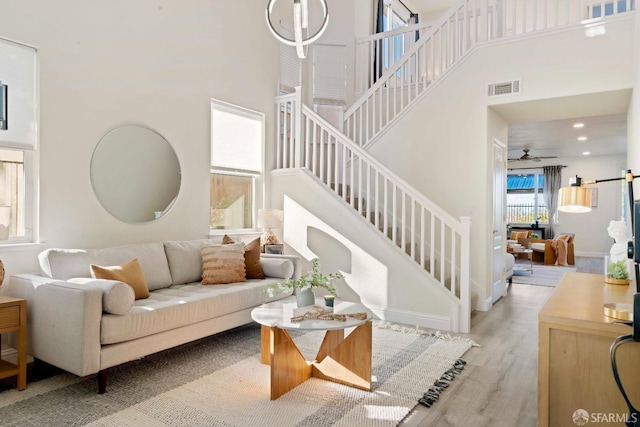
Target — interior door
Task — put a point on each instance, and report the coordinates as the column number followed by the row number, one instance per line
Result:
column 499, row 226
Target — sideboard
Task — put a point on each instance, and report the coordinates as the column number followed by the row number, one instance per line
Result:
column 574, row 369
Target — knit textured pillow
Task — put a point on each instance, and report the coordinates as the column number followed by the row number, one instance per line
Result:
column 222, row 263
column 129, row 273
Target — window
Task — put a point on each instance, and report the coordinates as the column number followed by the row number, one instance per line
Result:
column 525, row 202
column 18, row 135
column 237, row 136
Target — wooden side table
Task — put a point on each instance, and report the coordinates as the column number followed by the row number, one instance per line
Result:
column 13, row 318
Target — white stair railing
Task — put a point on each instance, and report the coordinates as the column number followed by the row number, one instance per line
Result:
column 446, row 42
column 377, row 52
column 435, row 240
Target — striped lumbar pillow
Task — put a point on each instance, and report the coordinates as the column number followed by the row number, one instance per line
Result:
column 222, row 263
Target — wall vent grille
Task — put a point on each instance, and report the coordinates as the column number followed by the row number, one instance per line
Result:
column 513, row 87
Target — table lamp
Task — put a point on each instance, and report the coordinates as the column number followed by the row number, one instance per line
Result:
column 268, row 219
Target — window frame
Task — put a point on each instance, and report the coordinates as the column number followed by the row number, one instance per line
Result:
column 258, row 189
column 538, row 193
column 29, row 146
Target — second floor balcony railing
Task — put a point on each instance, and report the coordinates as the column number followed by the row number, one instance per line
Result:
column 526, row 213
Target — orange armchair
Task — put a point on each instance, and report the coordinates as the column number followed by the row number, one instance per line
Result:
column 543, row 249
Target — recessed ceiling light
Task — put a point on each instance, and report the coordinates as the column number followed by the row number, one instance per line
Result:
column 578, row 125
column 582, row 138
column 586, row 153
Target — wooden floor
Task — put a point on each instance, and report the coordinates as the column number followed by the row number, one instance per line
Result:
column 499, row 385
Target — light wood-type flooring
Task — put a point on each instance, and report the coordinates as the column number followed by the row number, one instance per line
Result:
column 498, row 387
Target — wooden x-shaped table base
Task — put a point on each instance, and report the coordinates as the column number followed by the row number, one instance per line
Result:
column 339, row 359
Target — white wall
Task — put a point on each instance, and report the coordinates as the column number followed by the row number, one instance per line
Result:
column 317, row 224
column 150, row 62
column 590, row 228
column 441, row 145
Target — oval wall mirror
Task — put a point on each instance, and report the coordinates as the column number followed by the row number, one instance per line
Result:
column 135, row 174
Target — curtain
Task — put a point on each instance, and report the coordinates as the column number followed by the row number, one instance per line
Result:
column 377, row 59
column 551, row 188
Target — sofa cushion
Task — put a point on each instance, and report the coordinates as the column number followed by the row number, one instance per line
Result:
column 222, row 263
column 182, row 305
column 63, row 264
column 117, row 297
column 279, row 268
column 185, row 260
column 129, row 273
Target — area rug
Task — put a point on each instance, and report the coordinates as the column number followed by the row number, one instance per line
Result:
column 544, row 275
column 219, row 381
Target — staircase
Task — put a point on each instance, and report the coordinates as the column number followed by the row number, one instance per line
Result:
column 433, row 239
column 445, row 44
column 421, row 231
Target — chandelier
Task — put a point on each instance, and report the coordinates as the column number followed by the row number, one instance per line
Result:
column 300, row 25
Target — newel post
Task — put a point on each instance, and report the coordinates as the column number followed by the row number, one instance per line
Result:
column 465, row 283
column 297, row 137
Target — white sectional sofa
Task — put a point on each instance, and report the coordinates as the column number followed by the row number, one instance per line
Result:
column 86, row 326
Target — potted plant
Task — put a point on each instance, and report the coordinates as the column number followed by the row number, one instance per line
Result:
column 617, row 273
column 303, row 286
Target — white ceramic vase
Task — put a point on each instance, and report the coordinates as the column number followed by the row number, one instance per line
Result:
column 305, row 297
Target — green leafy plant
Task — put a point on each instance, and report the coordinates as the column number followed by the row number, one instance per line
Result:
column 534, row 236
column 313, row 279
column 618, row 270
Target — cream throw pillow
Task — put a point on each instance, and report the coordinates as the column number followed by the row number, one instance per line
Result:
column 129, row 273
column 222, row 263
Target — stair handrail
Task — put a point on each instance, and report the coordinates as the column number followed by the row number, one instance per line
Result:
column 449, row 219
column 369, row 48
column 475, row 28
column 445, row 253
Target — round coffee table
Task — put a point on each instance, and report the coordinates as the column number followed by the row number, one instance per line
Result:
column 339, row 359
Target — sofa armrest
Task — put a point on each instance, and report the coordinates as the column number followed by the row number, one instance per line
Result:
column 63, row 321
column 297, row 264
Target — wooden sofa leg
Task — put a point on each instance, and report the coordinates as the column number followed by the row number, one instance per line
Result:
column 102, row 381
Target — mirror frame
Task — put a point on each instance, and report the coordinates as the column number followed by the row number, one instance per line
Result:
column 146, row 181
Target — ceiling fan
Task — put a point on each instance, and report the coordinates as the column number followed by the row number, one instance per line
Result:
column 526, row 156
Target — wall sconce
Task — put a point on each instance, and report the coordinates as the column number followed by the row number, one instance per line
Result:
column 300, row 23
column 269, row 219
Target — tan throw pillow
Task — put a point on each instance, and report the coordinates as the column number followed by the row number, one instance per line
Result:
column 129, row 273
column 252, row 260
column 222, row 263
column 252, row 265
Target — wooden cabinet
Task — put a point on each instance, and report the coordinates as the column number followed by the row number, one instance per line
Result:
column 13, row 318
column 574, row 369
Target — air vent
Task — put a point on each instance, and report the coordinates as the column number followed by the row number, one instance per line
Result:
column 504, row 88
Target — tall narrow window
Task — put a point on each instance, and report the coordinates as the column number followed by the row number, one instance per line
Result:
column 329, row 74
column 525, row 204
column 237, row 139
column 18, row 135
column 290, row 66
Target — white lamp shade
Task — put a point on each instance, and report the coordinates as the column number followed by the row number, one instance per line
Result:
column 574, row 199
column 270, row 218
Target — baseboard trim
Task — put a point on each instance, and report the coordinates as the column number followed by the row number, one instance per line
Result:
column 412, row 318
column 591, row 254
column 9, row 354
column 485, row 305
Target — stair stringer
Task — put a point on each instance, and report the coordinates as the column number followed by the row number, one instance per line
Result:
column 379, row 274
